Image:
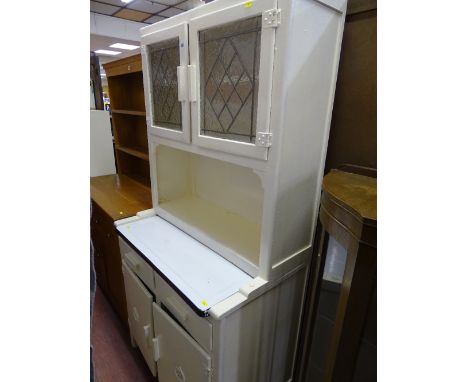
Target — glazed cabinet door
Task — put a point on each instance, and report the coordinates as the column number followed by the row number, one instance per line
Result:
column 165, row 61
column 179, row 357
column 231, row 57
column 140, row 318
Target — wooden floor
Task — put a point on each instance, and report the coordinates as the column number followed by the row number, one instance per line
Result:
column 114, row 358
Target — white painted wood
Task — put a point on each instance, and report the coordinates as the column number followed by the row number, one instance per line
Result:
column 306, row 54
column 199, row 328
column 179, row 31
column 204, row 277
column 181, row 359
column 257, row 341
column 101, row 147
column 139, row 266
column 254, row 322
column 230, row 13
column 140, row 317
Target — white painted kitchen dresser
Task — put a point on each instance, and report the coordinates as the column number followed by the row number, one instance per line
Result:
column 239, row 97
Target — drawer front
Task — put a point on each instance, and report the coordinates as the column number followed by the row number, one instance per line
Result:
column 100, row 220
column 179, row 357
column 137, row 264
column 130, row 67
column 198, row 327
column 140, row 317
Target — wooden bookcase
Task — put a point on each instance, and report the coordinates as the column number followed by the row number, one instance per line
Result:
column 125, row 81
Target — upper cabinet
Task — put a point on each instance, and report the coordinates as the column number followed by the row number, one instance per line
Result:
column 239, row 98
column 208, row 80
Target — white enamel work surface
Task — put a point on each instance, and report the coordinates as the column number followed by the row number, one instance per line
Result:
column 203, row 276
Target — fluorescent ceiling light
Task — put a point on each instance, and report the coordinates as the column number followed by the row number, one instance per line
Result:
column 108, row 52
column 124, row 46
column 126, row 1
column 103, row 74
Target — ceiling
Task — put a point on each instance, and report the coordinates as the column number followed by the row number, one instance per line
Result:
column 104, row 42
column 144, row 11
column 141, row 11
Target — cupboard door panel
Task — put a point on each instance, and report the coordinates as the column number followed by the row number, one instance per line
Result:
column 180, row 357
column 229, row 69
column 165, row 60
column 140, row 317
column 198, row 327
column 233, row 51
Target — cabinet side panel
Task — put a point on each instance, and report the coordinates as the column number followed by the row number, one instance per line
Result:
column 258, row 341
column 308, row 46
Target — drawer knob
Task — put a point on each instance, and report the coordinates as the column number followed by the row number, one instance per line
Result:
column 129, row 67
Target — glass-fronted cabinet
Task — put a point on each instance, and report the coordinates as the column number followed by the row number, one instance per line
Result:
column 219, row 99
column 165, row 60
column 233, row 50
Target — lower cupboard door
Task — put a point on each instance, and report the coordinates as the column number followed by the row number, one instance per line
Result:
column 181, row 359
column 140, row 317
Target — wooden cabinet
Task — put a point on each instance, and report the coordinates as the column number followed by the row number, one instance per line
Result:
column 339, row 334
column 113, row 197
column 107, row 259
column 126, row 94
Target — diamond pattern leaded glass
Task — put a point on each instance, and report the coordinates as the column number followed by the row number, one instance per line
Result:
column 229, row 68
column 164, row 57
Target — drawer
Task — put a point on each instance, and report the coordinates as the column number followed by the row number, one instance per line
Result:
column 125, row 68
column 137, row 264
column 198, row 327
column 140, row 316
column 98, row 217
column 179, row 357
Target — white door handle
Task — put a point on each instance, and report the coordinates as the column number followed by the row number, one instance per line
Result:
column 147, row 333
column 182, row 83
column 156, row 349
column 192, row 78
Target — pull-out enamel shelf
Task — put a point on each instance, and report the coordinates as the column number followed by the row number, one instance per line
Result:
column 201, row 276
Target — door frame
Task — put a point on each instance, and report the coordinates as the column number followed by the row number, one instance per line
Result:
column 235, row 12
column 177, row 31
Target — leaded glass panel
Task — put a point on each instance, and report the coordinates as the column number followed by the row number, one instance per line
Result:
column 229, row 69
column 164, row 58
